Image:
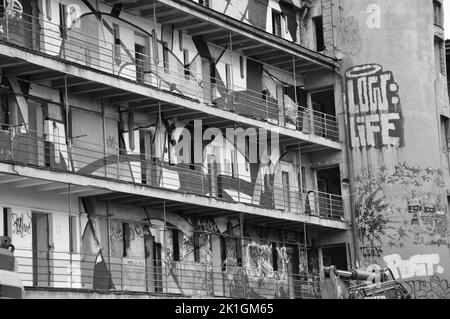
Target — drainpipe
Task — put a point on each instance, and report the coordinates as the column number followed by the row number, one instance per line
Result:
column 349, row 161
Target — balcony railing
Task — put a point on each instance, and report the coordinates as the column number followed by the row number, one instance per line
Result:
column 163, row 71
column 232, row 182
column 66, row 270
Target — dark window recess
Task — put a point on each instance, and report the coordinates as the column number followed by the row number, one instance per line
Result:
column 187, row 66
column 5, row 222
column 438, row 17
column 318, row 25
column 63, row 21
column 204, row 2
column 155, row 46
column 176, row 244
column 276, row 23
column 166, row 57
column 274, row 257
column 197, row 236
column 228, row 76
column 440, row 55
column 72, row 233
column 5, row 115
column 241, row 66
column 445, row 134
column 125, row 238
column 117, row 43
column 48, row 6
column 139, row 56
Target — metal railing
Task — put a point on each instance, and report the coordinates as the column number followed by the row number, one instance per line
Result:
column 232, row 182
column 68, row 270
column 168, row 75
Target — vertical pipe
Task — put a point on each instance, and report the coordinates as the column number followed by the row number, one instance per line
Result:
column 67, row 124
column 108, row 230
column 236, row 165
column 164, row 238
column 305, row 238
column 241, row 229
column 72, row 234
column 105, row 161
column 118, row 163
column 295, row 90
column 232, row 72
column 162, row 142
column 300, row 182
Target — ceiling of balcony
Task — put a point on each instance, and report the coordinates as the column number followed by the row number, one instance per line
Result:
column 216, row 28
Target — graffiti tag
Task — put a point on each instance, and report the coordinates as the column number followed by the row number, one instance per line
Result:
column 21, row 225
column 374, row 106
column 416, row 266
column 434, row 288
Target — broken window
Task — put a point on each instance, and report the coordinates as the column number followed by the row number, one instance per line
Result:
column 318, row 26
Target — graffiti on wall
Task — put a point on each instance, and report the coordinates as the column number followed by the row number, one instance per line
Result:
column 416, row 266
column 348, row 38
column 374, row 108
column 260, row 261
column 415, row 213
column 21, row 225
column 432, row 288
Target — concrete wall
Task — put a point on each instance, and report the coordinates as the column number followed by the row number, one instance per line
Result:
column 394, row 103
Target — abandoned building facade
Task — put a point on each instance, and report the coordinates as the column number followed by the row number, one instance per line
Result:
column 118, row 172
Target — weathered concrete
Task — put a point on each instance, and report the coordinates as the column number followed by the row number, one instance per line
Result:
column 128, row 188
column 396, row 96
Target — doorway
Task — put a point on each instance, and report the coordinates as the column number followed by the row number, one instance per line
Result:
column 41, row 250
column 142, row 57
column 329, row 189
column 153, row 264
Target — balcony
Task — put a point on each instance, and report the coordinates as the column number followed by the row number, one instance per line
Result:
column 186, row 94
column 209, row 180
column 215, row 27
column 69, row 271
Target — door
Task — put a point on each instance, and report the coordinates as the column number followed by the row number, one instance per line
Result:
column 286, row 189
column 142, row 57
column 146, row 156
column 41, row 250
column 294, row 268
column 213, row 170
column 150, row 266
column 319, row 120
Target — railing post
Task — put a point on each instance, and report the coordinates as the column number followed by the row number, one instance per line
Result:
column 121, row 273
column 113, row 62
column 11, row 140
column 203, row 183
column 331, row 205
column 118, row 163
